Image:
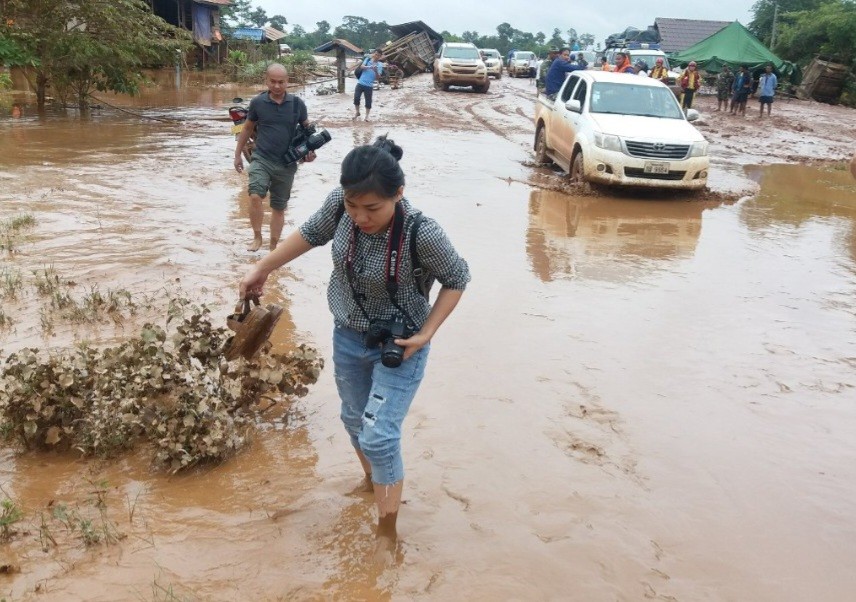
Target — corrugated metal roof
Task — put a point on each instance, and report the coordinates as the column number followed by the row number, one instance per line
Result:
column 406, row 28
column 338, row 42
column 273, row 34
column 679, row 34
column 248, row 33
column 258, row 33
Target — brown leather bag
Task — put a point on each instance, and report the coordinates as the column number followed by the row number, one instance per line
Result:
column 253, row 325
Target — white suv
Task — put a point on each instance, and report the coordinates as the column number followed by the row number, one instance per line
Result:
column 648, row 53
column 459, row 64
column 612, row 128
column 493, row 61
column 518, row 64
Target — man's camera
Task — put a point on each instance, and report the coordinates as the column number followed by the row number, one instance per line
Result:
column 384, row 332
column 305, row 140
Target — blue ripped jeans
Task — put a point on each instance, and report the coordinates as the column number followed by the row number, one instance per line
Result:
column 375, row 400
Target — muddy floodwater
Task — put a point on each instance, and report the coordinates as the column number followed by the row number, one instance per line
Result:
column 637, row 398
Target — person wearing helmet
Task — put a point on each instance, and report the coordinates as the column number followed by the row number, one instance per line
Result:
column 690, row 83
column 622, row 63
column 659, row 72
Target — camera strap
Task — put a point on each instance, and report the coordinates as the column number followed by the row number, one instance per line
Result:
column 394, row 247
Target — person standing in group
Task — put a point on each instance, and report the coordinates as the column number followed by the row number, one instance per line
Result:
column 604, row 64
column 533, row 68
column 368, row 219
column 659, row 72
column 559, row 70
column 690, row 83
column 372, row 68
column 767, row 89
column 724, row 85
column 623, row 64
column 581, row 60
column 273, row 116
column 541, row 82
column 742, row 89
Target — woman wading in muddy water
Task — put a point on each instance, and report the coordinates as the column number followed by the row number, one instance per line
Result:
column 383, row 319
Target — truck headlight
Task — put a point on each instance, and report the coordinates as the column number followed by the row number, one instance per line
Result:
column 607, row 142
column 699, row 149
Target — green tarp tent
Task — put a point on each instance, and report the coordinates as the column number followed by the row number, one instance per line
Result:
column 733, row 45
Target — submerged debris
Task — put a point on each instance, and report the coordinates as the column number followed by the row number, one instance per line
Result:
column 173, row 389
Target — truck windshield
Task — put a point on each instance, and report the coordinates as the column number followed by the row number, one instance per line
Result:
column 650, row 59
column 461, row 53
column 630, row 99
column 523, row 56
column 491, row 54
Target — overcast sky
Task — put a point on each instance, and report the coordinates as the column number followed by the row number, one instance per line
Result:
column 456, row 16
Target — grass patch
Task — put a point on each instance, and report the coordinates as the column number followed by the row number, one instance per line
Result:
column 11, row 230
column 10, row 283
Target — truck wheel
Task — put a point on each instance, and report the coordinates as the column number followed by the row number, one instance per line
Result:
column 483, row 88
column 541, row 147
column 446, row 87
column 437, row 84
column 499, row 75
column 577, row 169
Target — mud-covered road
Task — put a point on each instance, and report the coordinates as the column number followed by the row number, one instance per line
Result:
column 638, row 398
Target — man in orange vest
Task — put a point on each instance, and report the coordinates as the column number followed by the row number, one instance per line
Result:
column 622, row 63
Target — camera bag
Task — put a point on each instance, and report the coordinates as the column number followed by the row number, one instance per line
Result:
column 359, row 70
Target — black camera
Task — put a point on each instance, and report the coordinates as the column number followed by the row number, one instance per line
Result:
column 384, row 332
column 305, row 139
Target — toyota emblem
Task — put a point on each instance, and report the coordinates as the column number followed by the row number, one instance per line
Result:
column 659, row 146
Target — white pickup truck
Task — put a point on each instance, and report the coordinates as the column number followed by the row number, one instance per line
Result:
column 616, row 128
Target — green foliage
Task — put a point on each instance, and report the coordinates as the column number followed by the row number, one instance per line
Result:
column 5, row 81
column 764, row 10
column 829, row 29
column 173, row 388
column 12, row 53
column 84, row 46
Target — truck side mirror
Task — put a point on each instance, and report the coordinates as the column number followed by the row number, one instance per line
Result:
column 574, row 105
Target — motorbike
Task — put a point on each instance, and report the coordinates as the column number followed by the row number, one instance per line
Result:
column 238, row 114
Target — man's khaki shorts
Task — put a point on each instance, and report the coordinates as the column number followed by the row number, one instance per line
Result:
column 267, row 176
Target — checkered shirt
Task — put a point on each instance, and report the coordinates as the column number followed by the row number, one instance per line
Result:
column 433, row 248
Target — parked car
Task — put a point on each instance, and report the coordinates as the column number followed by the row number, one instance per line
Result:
column 614, row 129
column 518, row 64
column 493, row 61
column 459, row 64
column 647, row 53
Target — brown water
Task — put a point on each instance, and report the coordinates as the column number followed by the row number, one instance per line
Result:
column 636, row 399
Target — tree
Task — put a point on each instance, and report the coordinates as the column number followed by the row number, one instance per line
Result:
column 764, row 10
column 830, row 29
column 572, row 36
column 86, row 46
column 278, row 22
column 586, row 40
column 556, row 41
column 322, row 28
column 470, row 36
column 238, row 14
column 258, row 17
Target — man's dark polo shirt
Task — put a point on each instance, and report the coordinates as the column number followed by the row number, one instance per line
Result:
column 275, row 123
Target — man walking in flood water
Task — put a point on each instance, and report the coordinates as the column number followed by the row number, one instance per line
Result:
column 273, row 116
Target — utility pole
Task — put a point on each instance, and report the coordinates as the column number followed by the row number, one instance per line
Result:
column 775, row 19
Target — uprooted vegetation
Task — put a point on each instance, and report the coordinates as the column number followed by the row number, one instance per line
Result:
column 169, row 387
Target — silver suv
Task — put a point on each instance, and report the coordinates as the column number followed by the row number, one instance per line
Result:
column 459, row 64
column 493, row 60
